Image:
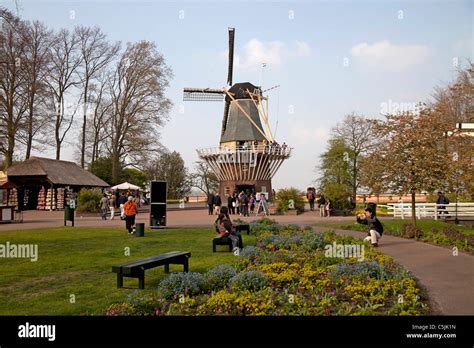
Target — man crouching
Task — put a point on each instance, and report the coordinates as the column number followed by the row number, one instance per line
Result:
column 374, row 224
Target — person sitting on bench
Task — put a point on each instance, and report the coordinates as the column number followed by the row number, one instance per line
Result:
column 374, row 224
column 224, row 229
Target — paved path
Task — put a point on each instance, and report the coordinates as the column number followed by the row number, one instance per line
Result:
column 34, row 219
column 448, row 279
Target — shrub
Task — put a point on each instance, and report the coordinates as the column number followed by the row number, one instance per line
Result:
column 220, row 276
column 250, row 252
column 177, row 284
column 337, row 194
column 249, row 280
column 88, row 200
column 120, row 309
column 284, row 196
column 412, row 231
column 360, row 269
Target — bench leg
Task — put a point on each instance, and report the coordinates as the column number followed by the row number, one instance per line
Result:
column 119, row 280
column 167, row 268
column 186, row 265
column 141, row 280
column 213, row 247
column 230, row 245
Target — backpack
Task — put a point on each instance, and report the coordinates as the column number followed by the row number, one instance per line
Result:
column 310, row 195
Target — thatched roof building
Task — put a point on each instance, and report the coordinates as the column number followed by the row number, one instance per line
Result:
column 41, row 170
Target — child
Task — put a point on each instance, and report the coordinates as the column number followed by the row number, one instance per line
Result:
column 374, row 224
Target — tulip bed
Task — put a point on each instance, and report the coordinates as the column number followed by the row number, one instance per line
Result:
column 287, row 273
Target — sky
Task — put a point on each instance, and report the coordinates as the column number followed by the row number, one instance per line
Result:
column 329, row 58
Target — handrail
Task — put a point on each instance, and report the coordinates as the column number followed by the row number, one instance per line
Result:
column 268, row 149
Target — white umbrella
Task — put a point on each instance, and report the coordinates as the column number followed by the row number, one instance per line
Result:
column 125, row 186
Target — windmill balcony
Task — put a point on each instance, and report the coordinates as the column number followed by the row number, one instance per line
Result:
column 245, row 162
column 278, row 150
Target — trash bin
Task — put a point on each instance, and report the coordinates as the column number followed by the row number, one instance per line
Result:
column 68, row 215
column 140, row 229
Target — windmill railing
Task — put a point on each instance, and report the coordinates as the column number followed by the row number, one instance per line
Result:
column 281, row 150
column 259, row 162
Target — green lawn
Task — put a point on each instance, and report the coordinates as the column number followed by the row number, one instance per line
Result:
column 395, row 226
column 78, row 261
column 435, row 232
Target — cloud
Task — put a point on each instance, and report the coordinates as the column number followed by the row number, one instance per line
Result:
column 388, row 56
column 273, row 53
column 303, row 135
column 302, row 49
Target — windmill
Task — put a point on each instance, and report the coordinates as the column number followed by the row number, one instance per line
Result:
column 248, row 156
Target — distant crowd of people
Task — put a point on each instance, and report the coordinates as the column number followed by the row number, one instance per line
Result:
column 128, row 203
column 242, row 204
column 272, row 147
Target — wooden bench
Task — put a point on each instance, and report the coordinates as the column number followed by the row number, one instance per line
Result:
column 225, row 241
column 136, row 269
column 242, row 227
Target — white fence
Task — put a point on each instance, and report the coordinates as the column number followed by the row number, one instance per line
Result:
column 432, row 210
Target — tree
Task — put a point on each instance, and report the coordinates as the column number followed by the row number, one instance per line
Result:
column 456, row 101
column 169, row 166
column 357, row 133
column 139, row 104
column 102, row 167
column 13, row 101
column 98, row 132
column 35, row 65
column 204, row 178
column 96, row 53
column 65, row 60
column 335, row 180
column 135, row 177
column 412, row 156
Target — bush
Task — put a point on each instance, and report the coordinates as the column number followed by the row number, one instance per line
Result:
column 250, row 252
column 284, row 196
column 220, row 276
column 412, row 231
column 88, row 200
column 249, row 280
column 338, row 194
column 178, row 284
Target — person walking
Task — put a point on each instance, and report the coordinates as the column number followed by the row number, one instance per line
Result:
column 122, row 201
column 131, row 210
column 264, row 204
column 217, row 204
column 231, row 204
column 252, row 201
column 245, row 203
column 210, row 203
column 441, row 201
column 374, row 225
column 112, row 206
column 310, row 196
column 104, row 206
column 322, row 205
column 328, row 208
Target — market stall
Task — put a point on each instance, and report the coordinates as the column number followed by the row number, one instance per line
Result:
column 48, row 184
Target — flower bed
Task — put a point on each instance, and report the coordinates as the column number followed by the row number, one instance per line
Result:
column 287, row 273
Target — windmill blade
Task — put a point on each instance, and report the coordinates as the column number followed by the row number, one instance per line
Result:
column 225, row 117
column 230, row 70
column 203, row 94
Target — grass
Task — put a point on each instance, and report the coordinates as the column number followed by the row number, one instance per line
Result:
column 78, row 261
column 395, row 226
column 435, row 232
